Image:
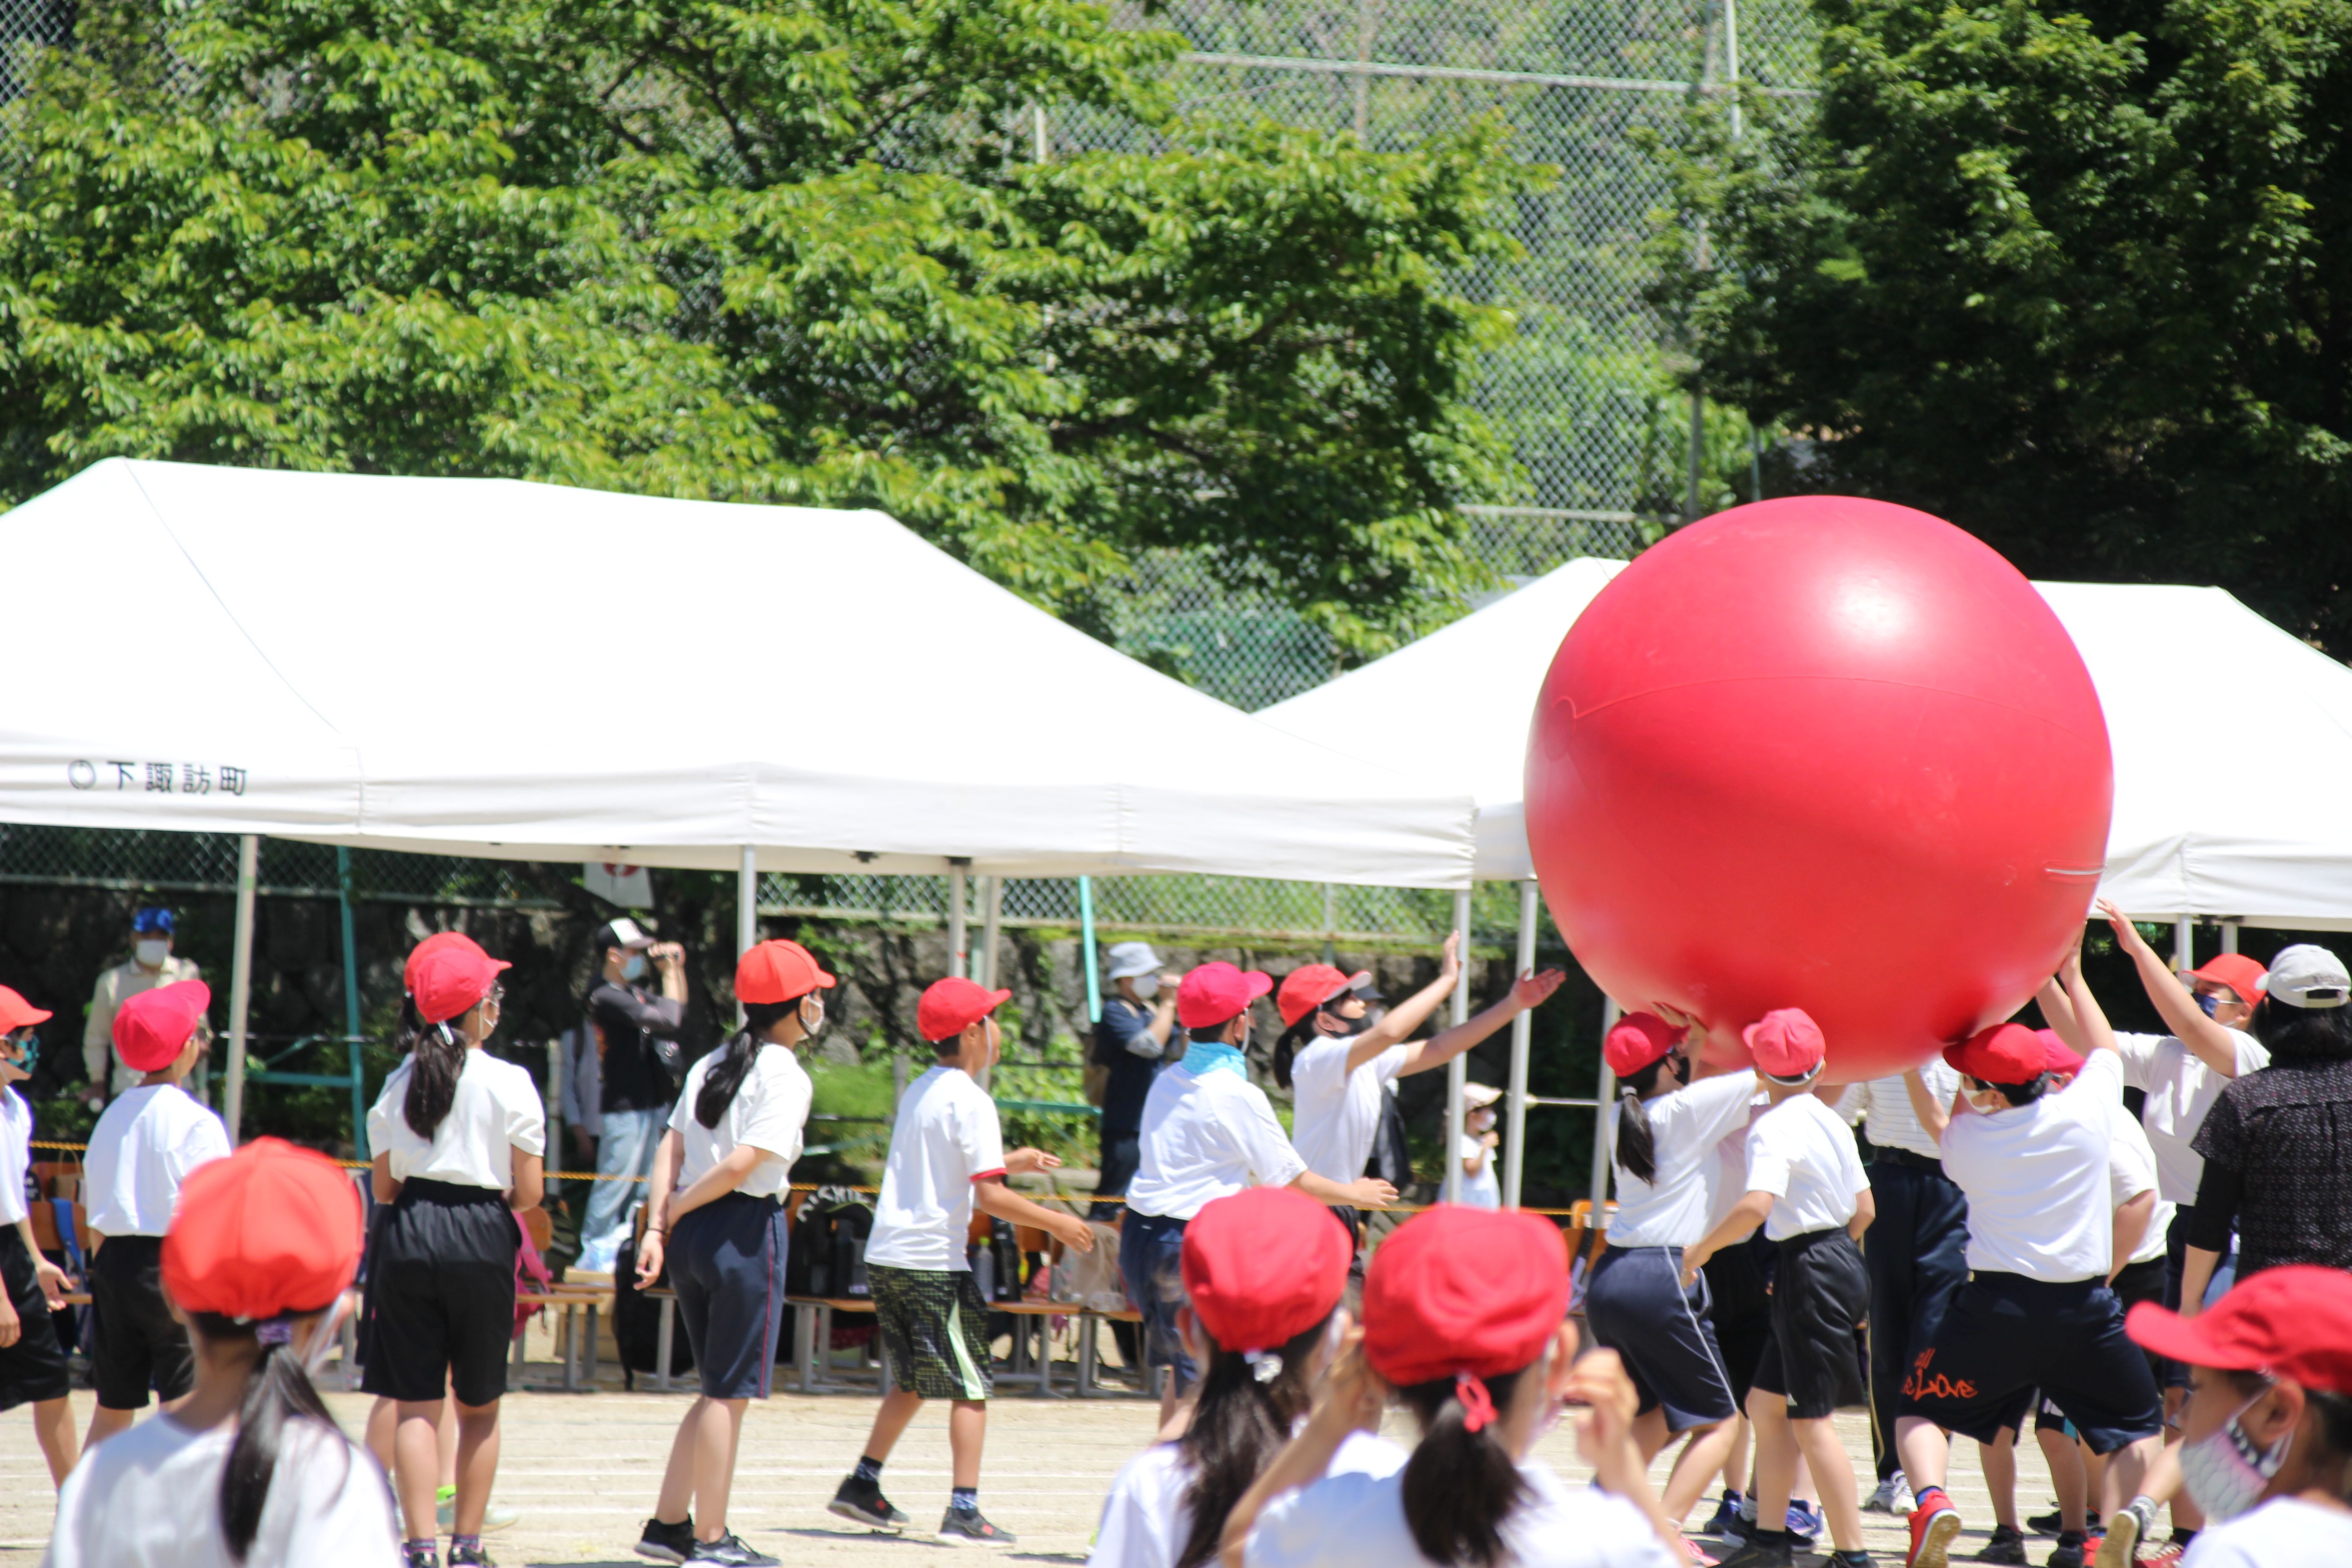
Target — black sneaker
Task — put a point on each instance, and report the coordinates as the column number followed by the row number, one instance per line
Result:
column 1857, row 1558
column 961, row 1528
column 2053, row 1521
column 668, row 1543
column 469, row 1557
column 2073, row 1548
column 1757, row 1555
column 2007, row 1545
column 423, row 1555
column 730, row 1548
column 864, row 1501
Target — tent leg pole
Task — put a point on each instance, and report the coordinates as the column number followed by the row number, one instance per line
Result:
column 1087, row 948
column 351, row 1001
column 1457, row 1071
column 1605, row 1090
column 240, row 984
column 1522, row 1036
column 2184, row 943
column 747, row 910
column 2229, row 936
column 958, row 868
column 992, row 917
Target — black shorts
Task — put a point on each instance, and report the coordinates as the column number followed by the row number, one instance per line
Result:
column 1634, row 1303
column 1741, row 1308
column 934, row 1329
column 140, row 1343
column 726, row 1264
column 1821, row 1294
column 441, row 1295
column 33, row 1368
column 2005, row 1335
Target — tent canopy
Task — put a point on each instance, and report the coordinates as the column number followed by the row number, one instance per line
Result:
column 2232, row 740
column 488, row 666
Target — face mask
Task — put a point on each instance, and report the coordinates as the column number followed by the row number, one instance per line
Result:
column 152, row 952
column 31, row 1046
column 633, row 967
column 1146, row 986
column 2224, row 1472
column 2208, row 1001
column 811, row 1031
column 322, row 1337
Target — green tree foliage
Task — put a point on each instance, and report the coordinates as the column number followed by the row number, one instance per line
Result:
column 2074, row 276
column 780, row 250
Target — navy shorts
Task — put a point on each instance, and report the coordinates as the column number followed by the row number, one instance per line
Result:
column 1636, row 1305
column 2005, row 1335
column 726, row 1264
column 1821, row 1294
column 1151, row 1261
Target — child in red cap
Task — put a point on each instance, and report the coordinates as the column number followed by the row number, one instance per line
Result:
column 1264, row 1270
column 1466, row 1322
column 250, row 1469
column 142, row 1149
column 32, row 1361
column 1208, row 1132
column 715, row 1218
column 946, row 1158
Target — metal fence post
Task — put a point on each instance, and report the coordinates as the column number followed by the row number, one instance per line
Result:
column 1604, row 1092
column 958, row 868
column 1457, row 1071
column 240, row 984
column 1087, row 948
column 352, row 1003
column 1522, row 1036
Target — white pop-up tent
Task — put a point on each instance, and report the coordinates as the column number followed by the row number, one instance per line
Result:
column 2232, row 745
column 492, row 668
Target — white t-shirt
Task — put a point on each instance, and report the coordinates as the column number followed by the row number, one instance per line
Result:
column 1671, row 1208
column 1883, row 1107
column 768, row 1111
column 149, row 1498
column 946, row 1138
column 1146, row 1520
column 1804, row 1153
column 2036, row 1178
column 139, row 1152
column 1335, row 1114
column 1484, row 1190
column 496, row 1111
column 2284, row 1533
column 1358, row 1522
column 15, row 1155
column 2180, row 1089
column 1728, row 1183
column 1207, row 1136
column 2131, row 1171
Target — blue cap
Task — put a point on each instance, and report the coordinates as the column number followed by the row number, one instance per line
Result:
column 152, row 919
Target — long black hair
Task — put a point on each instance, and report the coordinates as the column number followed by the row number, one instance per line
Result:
column 1637, row 1150
column 1297, row 1038
column 275, row 1392
column 2293, row 1034
column 1238, row 1427
column 724, row 1081
column 437, row 1056
column 1461, row 1486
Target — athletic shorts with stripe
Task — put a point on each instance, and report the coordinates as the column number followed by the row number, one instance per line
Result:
column 934, row 1329
column 1636, row 1306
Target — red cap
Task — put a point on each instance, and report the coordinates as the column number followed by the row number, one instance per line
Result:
column 951, row 1007
column 1264, row 1266
column 2057, row 1055
column 151, row 1028
column 1786, row 1043
column 451, row 978
column 16, row 1012
column 434, row 944
column 778, row 971
column 1456, row 1289
column 1217, row 993
column 1311, row 986
column 1637, row 1040
column 271, row 1229
column 2294, row 1322
column 2236, row 971
column 2006, row 1053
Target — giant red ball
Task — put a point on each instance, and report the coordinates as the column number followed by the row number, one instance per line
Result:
column 1826, row 754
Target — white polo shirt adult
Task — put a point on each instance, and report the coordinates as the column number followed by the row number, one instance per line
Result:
column 2180, row 1089
column 1804, row 1153
column 1883, row 1106
column 140, row 1151
column 1671, row 1208
column 2131, row 1171
column 496, row 1111
column 1335, row 1114
column 2036, row 1178
column 946, row 1138
column 768, row 1111
column 1207, row 1136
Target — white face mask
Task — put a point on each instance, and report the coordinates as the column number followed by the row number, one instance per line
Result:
column 633, row 966
column 2223, row 1470
column 1146, row 986
column 151, row 951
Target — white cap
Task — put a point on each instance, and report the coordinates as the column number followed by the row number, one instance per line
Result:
column 1475, row 1095
column 2307, row 976
column 1126, row 960
column 624, row 933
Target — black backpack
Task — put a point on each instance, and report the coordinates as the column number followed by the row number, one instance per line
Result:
column 828, row 1248
column 637, row 1321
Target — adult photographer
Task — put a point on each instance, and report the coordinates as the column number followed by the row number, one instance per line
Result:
column 638, row 1053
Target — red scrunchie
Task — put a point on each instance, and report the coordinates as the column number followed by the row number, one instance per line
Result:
column 1477, row 1404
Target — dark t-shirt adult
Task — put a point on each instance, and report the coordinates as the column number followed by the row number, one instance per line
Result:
column 627, row 1020
column 2274, row 1157
column 1124, row 1024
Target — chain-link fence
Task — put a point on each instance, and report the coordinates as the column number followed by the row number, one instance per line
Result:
column 207, row 863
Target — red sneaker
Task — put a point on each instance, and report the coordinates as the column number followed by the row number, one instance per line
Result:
column 2166, row 1555
column 1935, row 1524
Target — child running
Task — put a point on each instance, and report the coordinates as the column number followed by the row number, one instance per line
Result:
column 458, row 1137
column 32, row 1361
column 1264, row 1270
column 249, row 1469
column 717, row 1217
column 140, row 1151
column 947, row 1157
column 1466, row 1321
column 1807, row 1188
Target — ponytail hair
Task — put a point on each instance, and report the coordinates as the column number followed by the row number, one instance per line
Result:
column 1239, row 1424
column 724, row 1081
column 1637, row 1152
column 1287, row 1047
column 1460, row 1486
column 276, row 1391
column 436, row 1059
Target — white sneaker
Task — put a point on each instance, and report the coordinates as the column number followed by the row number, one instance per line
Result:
column 1893, row 1496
